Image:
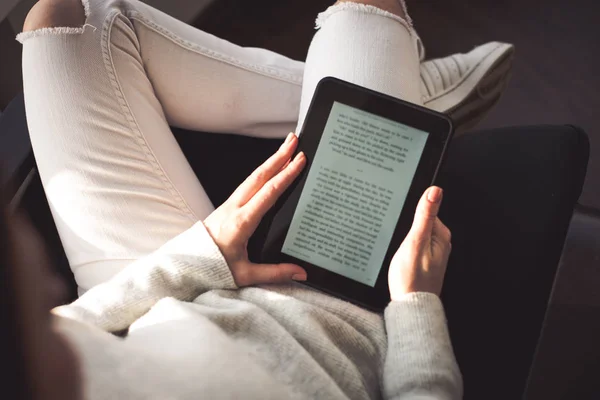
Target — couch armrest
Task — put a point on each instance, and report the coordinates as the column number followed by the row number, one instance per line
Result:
column 567, row 361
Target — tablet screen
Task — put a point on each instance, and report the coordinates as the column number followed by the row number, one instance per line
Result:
column 354, row 193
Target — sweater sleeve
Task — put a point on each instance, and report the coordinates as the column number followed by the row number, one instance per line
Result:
column 420, row 362
column 183, row 268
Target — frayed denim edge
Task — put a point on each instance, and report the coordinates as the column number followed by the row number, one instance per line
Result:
column 23, row 36
column 369, row 9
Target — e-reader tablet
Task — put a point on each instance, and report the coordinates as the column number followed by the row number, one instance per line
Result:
column 370, row 157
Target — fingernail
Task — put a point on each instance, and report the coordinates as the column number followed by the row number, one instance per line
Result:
column 435, row 194
column 289, row 137
column 299, row 157
column 299, row 277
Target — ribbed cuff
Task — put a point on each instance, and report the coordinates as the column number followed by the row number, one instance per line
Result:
column 419, row 311
column 196, row 249
column 183, row 268
column 420, row 361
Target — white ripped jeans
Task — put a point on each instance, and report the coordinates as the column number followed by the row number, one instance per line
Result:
column 100, row 100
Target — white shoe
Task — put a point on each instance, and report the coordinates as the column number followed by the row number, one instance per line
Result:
column 467, row 86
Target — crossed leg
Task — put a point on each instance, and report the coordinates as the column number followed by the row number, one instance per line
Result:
column 104, row 80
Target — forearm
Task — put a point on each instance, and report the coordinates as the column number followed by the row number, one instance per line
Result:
column 420, row 362
column 183, row 268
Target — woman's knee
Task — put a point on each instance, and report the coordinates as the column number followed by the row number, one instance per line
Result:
column 393, row 6
column 55, row 14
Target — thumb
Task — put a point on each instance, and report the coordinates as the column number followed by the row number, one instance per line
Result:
column 275, row 273
column 426, row 213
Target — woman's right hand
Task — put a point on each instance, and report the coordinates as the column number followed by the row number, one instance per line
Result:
column 419, row 265
column 232, row 224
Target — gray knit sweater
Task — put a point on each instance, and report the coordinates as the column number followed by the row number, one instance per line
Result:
column 192, row 334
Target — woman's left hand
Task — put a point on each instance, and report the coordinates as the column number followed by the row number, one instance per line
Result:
column 232, row 224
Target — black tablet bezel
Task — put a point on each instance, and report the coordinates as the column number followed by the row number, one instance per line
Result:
column 330, row 90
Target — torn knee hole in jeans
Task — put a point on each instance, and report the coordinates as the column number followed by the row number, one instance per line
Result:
column 364, row 8
column 369, row 9
column 59, row 30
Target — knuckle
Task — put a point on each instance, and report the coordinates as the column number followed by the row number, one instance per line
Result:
column 291, row 173
column 415, row 243
column 259, row 175
column 238, row 222
column 260, row 202
column 445, row 231
column 425, row 214
column 282, row 150
column 448, row 234
column 276, row 186
column 275, row 275
column 273, row 189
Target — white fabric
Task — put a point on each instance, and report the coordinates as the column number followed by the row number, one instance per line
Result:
column 99, row 103
column 442, row 75
column 192, row 335
column 116, row 180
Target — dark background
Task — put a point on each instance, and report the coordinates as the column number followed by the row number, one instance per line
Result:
column 555, row 81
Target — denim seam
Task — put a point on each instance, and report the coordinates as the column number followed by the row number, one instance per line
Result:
column 193, row 47
column 128, row 114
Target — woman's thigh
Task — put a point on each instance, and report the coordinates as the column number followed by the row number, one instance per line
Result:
column 99, row 102
column 100, row 99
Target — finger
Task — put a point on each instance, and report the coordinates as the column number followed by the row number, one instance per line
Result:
column 285, row 165
column 441, row 233
column 274, row 273
column 266, row 197
column 441, row 230
column 266, row 171
column 442, row 239
column 426, row 213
